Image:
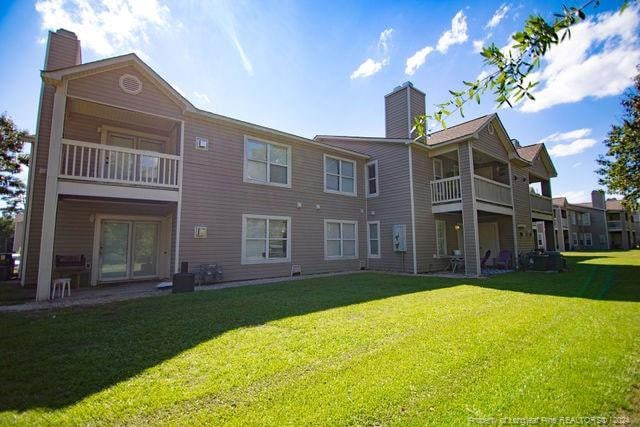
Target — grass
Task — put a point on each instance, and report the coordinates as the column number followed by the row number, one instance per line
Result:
column 357, row 349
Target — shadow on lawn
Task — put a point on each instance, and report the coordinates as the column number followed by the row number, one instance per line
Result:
column 54, row 359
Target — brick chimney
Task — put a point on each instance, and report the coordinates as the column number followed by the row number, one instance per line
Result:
column 63, row 50
column 401, row 106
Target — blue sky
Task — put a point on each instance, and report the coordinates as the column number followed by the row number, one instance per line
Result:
column 323, row 68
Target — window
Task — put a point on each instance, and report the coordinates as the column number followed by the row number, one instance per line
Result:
column 573, row 218
column 575, row 239
column 340, row 239
column 586, row 218
column 267, row 163
column 587, row 239
column 437, row 169
column 441, row 237
column 266, row 239
column 373, row 237
column 603, row 239
column 339, row 175
column 372, row 178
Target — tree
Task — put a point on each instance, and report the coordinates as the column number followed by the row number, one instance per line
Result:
column 12, row 161
column 620, row 167
column 511, row 68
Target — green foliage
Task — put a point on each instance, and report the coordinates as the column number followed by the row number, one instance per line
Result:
column 620, row 167
column 358, row 349
column 509, row 81
column 12, row 160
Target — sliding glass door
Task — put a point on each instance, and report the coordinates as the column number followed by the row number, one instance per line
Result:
column 128, row 249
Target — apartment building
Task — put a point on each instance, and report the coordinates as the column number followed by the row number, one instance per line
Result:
column 581, row 226
column 622, row 226
column 129, row 174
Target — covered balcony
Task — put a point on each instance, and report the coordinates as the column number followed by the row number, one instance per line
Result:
column 112, row 152
column 540, row 198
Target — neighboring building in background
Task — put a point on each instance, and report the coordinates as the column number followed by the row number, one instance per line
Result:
column 622, row 226
column 581, row 226
column 129, row 174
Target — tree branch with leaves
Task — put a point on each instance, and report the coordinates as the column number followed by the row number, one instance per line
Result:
column 510, row 78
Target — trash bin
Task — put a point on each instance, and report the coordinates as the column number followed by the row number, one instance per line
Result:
column 183, row 282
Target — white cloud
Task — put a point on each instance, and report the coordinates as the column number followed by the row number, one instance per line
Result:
column 577, row 196
column 569, row 143
column 105, row 27
column 571, row 148
column 498, row 16
column 566, row 136
column 456, row 35
column 483, row 75
column 202, row 98
column 417, row 60
column 576, row 164
column 478, row 45
column 371, row 66
column 367, row 68
column 598, row 60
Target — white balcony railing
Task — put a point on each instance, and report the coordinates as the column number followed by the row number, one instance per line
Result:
column 614, row 224
column 541, row 203
column 446, row 190
column 492, row 191
column 109, row 164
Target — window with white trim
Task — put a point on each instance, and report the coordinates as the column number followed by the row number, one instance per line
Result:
column 575, row 238
column 573, row 218
column 267, row 163
column 587, row 239
column 339, row 175
column 340, row 239
column 441, row 237
column 266, row 239
column 372, row 178
column 586, row 218
column 373, row 239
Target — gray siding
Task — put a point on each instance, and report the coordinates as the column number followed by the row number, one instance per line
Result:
column 522, row 208
column 393, row 204
column 469, row 214
column 215, row 196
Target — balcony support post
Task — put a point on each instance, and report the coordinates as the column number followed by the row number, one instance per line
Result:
column 469, row 211
column 50, row 210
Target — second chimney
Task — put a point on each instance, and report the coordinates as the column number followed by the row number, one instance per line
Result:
column 401, row 107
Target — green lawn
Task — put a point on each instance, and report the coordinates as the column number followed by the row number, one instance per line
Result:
column 357, row 349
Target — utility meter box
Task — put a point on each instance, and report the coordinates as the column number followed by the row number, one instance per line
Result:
column 399, row 238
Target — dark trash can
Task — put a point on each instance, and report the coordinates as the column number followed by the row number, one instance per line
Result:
column 183, row 282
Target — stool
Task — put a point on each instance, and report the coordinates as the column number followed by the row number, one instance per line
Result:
column 62, row 284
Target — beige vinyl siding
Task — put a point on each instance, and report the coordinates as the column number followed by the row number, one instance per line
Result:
column 425, row 222
column 522, row 208
column 537, row 168
column 393, row 204
column 215, row 196
column 104, row 87
column 76, row 221
column 491, row 144
column 417, row 106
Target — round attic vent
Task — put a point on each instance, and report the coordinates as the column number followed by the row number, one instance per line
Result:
column 130, row 84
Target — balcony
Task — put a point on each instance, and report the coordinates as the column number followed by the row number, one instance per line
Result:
column 541, row 205
column 148, row 175
column 446, row 190
column 614, row 225
column 491, row 191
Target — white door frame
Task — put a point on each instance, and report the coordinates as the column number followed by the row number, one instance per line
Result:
column 164, row 249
